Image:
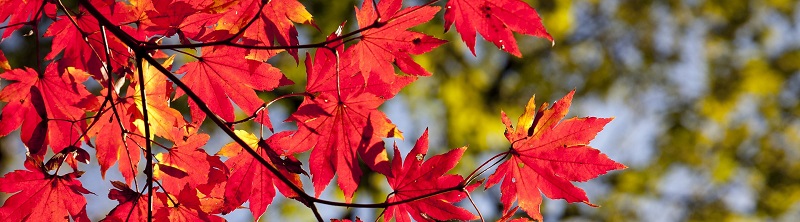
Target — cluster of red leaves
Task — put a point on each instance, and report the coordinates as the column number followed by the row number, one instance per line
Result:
column 114, row 42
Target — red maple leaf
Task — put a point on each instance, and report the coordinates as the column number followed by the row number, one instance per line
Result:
column 136, row 12
column 249, row 180
column 327, row 72
column 40, row 196
column 20, row 12
column 275, row 22
column 223, row 72
column 186, row 163
column 112, row 145
column 340, row 121
column 340, row 129
column 494, row 20
column 329, row 75
column 185, row 207
column 132, row 204
column 167, row 18
column 415, row 177
column 547, row 154
column 70, row 41
column 45, row 105
column 392, row 42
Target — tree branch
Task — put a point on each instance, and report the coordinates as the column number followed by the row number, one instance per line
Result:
column 148, row 170
column 141, row 48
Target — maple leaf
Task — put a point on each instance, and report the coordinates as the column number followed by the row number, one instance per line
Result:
column 392, row 42
column 20, row 12
column 45, row 106
column 132, row 204
column 112, row 145
column 510, row 213
column 494, row 20
column 186, row 163
column 167, row 18
column 40, row 196
column 212, row 194
column 186, row 207
column 4, row 62
column 162, row 118
column 340, row 129
column 323, row 75
column 70, row 41
column 415, row 177
column 546, row 154
column 340, row 122
column 215, row 76
column 249, row 180
column 275, row 22
column 136, row 12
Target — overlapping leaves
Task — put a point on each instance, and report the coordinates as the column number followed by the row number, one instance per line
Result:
column 41, row 196
column 349, row 77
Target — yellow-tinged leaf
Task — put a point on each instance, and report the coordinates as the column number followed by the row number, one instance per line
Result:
column 525, row 120
column 233, row 149
column 220, row 6
column 298, row 13
column 161, row 116
column 170, row 170
column 4, row 64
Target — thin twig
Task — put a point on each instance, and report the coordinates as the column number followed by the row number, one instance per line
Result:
column 169, row 197
column 473, row 205
column 263, row 107
column 148, row 147
column 474, row 173
column 14, row 24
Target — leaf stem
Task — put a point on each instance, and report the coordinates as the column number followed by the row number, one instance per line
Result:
column 475, row 206
column 475, row 173
column 389, row 204
column 264, row 106
column 233, row 44
column 169, row 197
column 12, row 25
